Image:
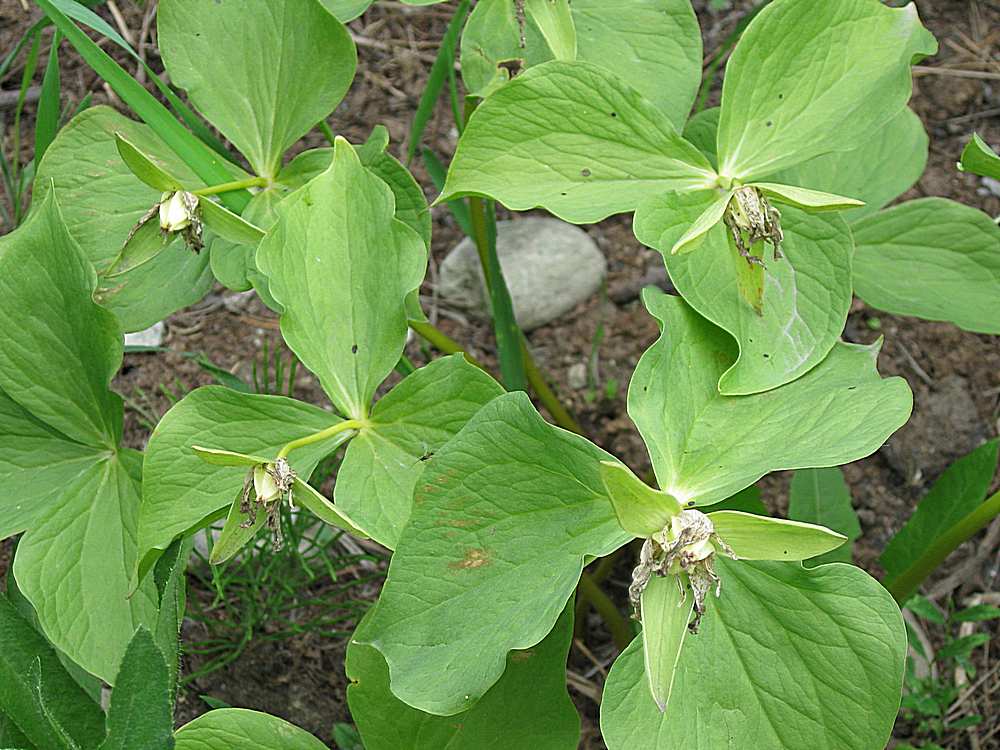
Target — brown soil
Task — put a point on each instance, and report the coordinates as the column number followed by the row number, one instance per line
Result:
column 301, row 678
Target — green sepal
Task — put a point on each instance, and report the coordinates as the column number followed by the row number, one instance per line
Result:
column 754, row 537
column 641, row 510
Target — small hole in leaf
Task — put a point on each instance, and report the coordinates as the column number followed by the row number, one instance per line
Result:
column 785, row 552
column 690, row 503
column 563, row 193
column 614, row 114
column 781, row 96
column 769, row 123
column 851, row 387
column 767, row 356
column 354, row 349
column 585, row 172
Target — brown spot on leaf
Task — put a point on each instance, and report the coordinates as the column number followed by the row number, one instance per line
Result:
column 474, row 558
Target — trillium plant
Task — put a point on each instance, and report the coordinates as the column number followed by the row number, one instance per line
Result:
column 769, row 214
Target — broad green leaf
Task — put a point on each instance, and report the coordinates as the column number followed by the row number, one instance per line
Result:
column 341, row 267
column 788, row 97
column 241, row 729
column 101, row 201
column 763, row 538
column 143, row 167
column 959, row 491
column 141, row 713
column 57, row 364
column 555, row 22
column 932, row 258
column 887, row 162
column 22, row 648
column 75, row 562
column 69, row 489
column 11, row 736
column 653, row 44
column 182, row 492
column 528, row 706
column 574, row 139
column 806, row 199
column 807, row 294
column 233, row 263
column 641, row 510
column 264, row 72
column 821, row 496
column 503, row 517
column 383, row 462
column 664, row 624
column 705, row 446
column 979, row 158
column 786, row 659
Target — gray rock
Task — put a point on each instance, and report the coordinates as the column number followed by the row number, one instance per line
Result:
column 945, row 425
column 550, row 267
column 152, row 336
column 576, row 376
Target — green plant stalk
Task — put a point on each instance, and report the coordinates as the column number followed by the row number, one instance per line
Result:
column 228, row 187
column 508, row 335
column 602, row 570
column 444, row 343
column 907, row 583
column 621, row 631
column 545, row 393
column 316, row 437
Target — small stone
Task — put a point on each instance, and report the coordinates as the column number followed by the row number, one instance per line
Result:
column 576, row 376
column 152, row 336
column 550, row 267
column 993, row 186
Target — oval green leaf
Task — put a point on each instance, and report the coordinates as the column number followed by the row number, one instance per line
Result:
column 755, row 537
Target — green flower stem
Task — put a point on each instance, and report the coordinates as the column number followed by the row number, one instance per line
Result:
column 621, row 631
column 316, row 437
column 907, row 583
column 442, row 341
column 229, row 187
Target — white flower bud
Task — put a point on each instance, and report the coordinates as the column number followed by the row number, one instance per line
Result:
column 175, row 212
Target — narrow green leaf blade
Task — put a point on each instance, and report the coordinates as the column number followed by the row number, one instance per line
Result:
column 342, row 267
column 932, row 258
column 414, row 420
column 821, row 496
column 324, row 510
column 664, row 624
column 574, row 139
column 705, row 446
column 555, row 21
column 762, row 538
column 806, row 199
column 492, row 552
column 789, row 97
column 528, row 707
column 264, row 72
column 49, row 109
column 144, row 167
column 228, row 225
column 235, row 535
column 141, row 713
column 958, row 492
column 436, row 79
column 641, row 510
column 786, row 659
column 241, row 729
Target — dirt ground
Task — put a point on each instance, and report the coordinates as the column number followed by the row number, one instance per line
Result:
column 955, row 376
